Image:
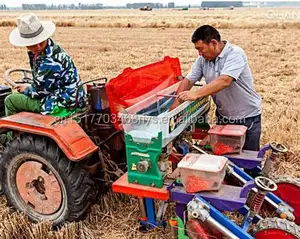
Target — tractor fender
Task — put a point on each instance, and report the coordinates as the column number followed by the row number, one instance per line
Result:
column 68, row 134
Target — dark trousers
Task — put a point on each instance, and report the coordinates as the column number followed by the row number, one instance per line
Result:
column 253, row 133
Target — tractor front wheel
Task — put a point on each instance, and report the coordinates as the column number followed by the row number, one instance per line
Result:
column 40, row 181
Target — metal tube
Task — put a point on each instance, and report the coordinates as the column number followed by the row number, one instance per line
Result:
column 221, row 228
column 142, row 207
column 200, row 150
column 267, row 167
column 239, row 177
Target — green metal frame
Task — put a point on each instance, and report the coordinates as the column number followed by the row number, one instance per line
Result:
column 136, row 152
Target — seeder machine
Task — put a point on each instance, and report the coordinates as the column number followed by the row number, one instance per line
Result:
column 174, row 157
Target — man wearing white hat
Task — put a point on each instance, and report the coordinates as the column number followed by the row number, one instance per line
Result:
column 55, row 77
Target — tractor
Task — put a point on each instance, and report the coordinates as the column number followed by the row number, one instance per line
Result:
column 54, row 168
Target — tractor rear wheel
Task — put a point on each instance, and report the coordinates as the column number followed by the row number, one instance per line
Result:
column 40, row 181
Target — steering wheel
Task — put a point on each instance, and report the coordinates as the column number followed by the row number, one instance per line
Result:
column 265, row 184
column 24, row 80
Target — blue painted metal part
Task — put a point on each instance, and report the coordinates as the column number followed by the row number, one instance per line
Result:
column 227, row 198
column 246, row 188
column 179, row 195
column 150, row 211
column 183, row 148
column 244, row 210
column 263, row 150
column 225, row 222
column 246, row 159
column 180, row 208
column 255, row 172
column 249, row 159
column 242, row 173
column 246, row 222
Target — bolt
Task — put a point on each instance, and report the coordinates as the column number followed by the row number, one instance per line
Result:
column 43, row 197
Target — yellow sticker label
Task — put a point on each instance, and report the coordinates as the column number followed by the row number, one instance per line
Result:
column 133, row 167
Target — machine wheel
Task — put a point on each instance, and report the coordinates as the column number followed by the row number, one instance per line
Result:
column 289, row 191
column 276, row 228
column 40, row 181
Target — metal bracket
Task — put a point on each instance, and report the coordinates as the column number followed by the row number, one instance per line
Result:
column 283, row 209
column 198, row 210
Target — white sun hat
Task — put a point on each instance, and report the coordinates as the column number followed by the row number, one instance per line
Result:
column 31, row 31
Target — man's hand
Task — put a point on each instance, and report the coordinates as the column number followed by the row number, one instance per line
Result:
column 21, row 87
column 187, row 95
column 174, row 105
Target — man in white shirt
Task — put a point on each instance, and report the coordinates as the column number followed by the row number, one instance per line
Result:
column 225, row 69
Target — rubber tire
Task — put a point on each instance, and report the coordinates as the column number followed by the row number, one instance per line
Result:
column 76, row 186
column 276, row 223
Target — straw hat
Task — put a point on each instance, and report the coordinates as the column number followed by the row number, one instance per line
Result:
column 30, row 30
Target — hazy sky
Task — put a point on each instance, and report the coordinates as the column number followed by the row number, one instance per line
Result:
column 105, row 2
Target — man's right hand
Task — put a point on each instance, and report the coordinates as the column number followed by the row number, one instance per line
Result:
column 21, row 87
column 185, row 85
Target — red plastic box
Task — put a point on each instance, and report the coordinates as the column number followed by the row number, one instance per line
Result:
column 227, row 139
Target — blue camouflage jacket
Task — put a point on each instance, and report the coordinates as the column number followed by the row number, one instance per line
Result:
column 55, row 79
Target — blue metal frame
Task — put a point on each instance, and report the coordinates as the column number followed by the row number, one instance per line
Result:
column 150, row 210
column 225, row 222
column 151, row 215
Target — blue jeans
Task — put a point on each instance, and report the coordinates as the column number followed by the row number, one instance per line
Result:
column 253, row 133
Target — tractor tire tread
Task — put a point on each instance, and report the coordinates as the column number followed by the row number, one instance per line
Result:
column 79, row 187
column 277, row 223
column 286, row 179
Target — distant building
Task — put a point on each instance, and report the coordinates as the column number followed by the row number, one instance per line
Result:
column 34, row 6
column 3, row 7
column 219, row 4
column 141, row 5
column 171, row 5
column 271, row 3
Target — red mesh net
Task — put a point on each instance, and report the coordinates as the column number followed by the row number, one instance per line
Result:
column 133, row 85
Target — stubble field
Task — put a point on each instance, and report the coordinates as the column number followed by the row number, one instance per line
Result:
column 103, row 43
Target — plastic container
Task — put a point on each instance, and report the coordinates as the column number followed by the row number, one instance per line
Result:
column 200, row 172
column 152, row 116
column 227, row 139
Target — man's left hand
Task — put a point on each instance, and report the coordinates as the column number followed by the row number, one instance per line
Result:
column 187, row 95
column 21, row 87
